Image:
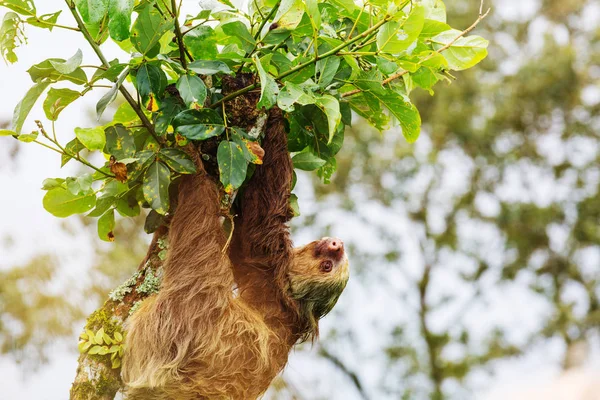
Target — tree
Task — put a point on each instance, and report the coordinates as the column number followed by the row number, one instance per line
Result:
column 483, row 236
column 209, row 82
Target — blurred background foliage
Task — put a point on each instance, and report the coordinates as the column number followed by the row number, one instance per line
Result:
column 475, row 246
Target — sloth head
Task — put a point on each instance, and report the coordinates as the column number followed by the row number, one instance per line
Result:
column 317, row 277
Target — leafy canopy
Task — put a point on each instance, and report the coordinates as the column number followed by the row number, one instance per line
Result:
column 316, row 60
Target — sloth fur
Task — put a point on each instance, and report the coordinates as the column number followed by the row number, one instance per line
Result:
column 222, row 324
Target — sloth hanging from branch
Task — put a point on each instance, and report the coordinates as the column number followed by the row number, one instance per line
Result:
column 225, row 318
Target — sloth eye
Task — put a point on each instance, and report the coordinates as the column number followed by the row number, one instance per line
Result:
column 326, row 266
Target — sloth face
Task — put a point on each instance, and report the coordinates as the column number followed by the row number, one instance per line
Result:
column 319, row 274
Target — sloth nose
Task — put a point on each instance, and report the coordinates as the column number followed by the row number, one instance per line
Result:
column 335, row 244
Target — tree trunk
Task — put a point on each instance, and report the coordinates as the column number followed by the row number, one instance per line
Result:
column 96, row 379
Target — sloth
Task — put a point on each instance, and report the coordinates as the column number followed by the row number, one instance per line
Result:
column 226, row 317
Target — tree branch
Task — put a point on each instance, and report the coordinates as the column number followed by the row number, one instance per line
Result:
column 178, row 34
column 124, row 92
column 440, row 50
column 342, row 367
column 298, row 67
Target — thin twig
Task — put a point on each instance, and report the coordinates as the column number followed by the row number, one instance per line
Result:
column 178, row 35
column 122, row 89
column 298, row 67
column 342, row 367
column 440, row 50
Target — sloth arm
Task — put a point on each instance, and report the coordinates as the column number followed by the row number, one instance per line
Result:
column 195, row 262
column 261, row 234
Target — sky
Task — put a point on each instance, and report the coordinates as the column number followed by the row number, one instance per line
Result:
column 35, row 231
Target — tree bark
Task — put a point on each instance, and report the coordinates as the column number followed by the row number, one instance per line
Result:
column 96, row 379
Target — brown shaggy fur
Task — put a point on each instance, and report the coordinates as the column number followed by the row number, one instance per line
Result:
column 198, row 338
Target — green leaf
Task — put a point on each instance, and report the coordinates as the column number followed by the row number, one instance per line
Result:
column 81, row 184
column 91, row 138
column 7, row 132
column 73, row 147
column 9, row 34
column 327, row 68
column 110, row 96
column 232, row 165
column 128, row 206
column 57, row 100
column 96, row 10
column 28, row 137
column 106, row 227
column 289, row 14
column 209, row 67
column 118, row 336
column 150, row 79
column 464, row 53
column 147, row 30
column 312, row 9
column 201, row 42
column 268, row 86
column 178, row 161
column 307, row 161
column 198, row 124
column 399, row 105
column 435, row 10
column 23, row 7
column 120, row 142
column 294, row 204
column 156, row 187
column 112, row 73
column 238, row 31
column 153, row 221
column 102, row 204
column 169, row 108
column 46, row 70
column 24, row 107
column 46, row 21
column 192, row 90
column 68, row 66
column 62, row 203
column 95, row 350
column 331, row 107
column 144, row 159
column 51, row 183
column 291, row 94
column 433, row 28
column 119, row 12
column 395, row 37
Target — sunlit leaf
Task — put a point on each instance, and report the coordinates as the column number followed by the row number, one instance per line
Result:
column 62, row 203
column 232, row 165
column 198, row 124
column 147, row 30
column 91, row 138
column 307, row 161
column 57, row 100
column 156, row 187
column 106, row 227
column 24, row 107
column 178, row 161
column 209, row 67
column 10, row 36
column 23, row 7
column 464, row 53
column 68, row 66
column 192, row 90
column 268, row 86
column 201, row 42
column 119, row 22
